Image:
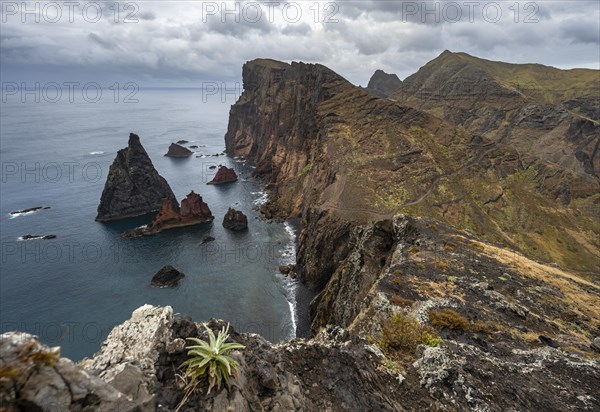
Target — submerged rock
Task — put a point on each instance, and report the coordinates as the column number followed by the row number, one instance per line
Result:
column 176, row 150
column 133, row 186
column 208, row 239
column 182, row 141
column 166, row 277
column 235, row 220
column 31, row 209
column 224, row 175
column 41, row 237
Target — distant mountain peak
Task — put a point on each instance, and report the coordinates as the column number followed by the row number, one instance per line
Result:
column 384, row 84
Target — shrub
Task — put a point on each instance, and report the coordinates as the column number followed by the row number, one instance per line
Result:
column 447, row 318
column 212, row 359
column 440, row 264
column 403, row 334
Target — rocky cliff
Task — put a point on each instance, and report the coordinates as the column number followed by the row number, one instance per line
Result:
column 322, row 143
column 412, row 223
column 133, row 186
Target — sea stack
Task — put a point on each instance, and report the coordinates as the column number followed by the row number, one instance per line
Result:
column 235, row 220
column 133, row 186
column 224, row 175
column 176, row 150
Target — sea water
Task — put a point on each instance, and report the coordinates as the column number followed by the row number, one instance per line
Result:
column 72, row 290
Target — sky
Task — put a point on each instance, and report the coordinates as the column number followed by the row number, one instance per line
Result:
column 187, row 43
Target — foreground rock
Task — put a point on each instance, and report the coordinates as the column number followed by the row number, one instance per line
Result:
column 224, row 175
column 35, row 377
column 176, row 150
column 168, row 276
column 235, row 220
column 336, row 371
column 133, row 186
column 193, row 211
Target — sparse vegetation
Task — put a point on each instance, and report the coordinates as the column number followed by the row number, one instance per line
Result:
column 440, row 264
column 400, row 301
column 450, row 319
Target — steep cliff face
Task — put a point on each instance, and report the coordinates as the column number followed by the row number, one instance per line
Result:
column 321, row 142
column 133, row 186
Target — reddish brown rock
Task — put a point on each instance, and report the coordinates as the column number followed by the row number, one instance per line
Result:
column 193, row 211
column 224, row 175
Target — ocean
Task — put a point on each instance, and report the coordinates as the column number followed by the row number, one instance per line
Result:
column 72, row 290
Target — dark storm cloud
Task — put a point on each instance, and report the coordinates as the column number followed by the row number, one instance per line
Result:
column 105, row 43
column 237, row 26
column 578, row 31
column 177, row 40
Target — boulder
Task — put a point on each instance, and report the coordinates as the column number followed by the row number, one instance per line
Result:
column 235, row 220
column 182, row 141
column 286, row 269
column 166, row 277
column 176, row 150
column 133, row 186
column 47, row 382
column 224, row 175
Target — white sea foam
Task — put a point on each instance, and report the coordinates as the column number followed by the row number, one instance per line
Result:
column 291, row 285
column 262, row 199
column 96, row 153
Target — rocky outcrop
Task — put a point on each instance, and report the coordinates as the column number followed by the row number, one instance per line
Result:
column 383, row 84
column 176, row 150
column 235, row 220
column 35, row 377
column 224, row 175
column 133, row 186
column 137, row 367
column 193, row 211
column 166, row 277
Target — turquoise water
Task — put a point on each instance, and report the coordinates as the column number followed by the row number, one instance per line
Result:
column 73, row 289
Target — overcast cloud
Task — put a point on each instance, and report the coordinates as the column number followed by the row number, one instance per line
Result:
column 185, row 43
